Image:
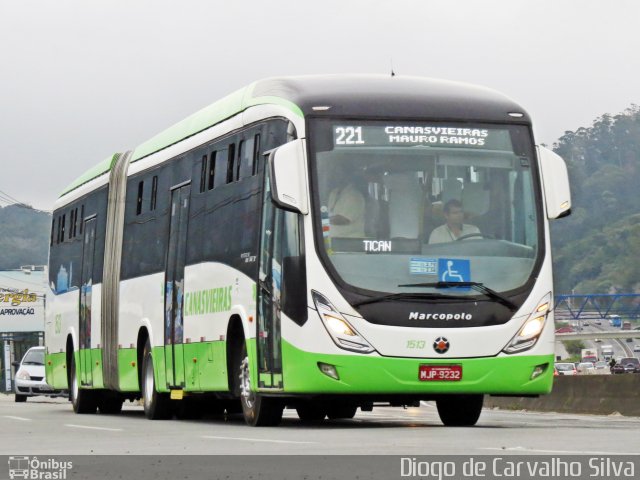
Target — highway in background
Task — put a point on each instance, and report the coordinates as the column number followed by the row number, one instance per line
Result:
column 49, row 427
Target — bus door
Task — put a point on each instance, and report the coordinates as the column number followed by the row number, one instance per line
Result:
column 269, row 352
column 174, row 286
column 86, row 284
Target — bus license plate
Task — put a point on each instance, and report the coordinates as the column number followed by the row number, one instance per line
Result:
column 446, row 373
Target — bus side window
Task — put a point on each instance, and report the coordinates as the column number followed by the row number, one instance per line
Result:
column 246, row 156
column 219, row 173
column 230, row 163
column 203, row 174
column 256, row 155
column 212, row 169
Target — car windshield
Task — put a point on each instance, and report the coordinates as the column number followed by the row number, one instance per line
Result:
column 400, row 206
column 34, row 357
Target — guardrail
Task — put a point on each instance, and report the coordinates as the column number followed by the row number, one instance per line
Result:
column 594, row 394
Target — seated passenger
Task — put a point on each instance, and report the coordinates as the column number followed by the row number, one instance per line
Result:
column 454, row 228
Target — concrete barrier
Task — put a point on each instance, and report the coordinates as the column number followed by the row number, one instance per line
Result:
column 595, row 394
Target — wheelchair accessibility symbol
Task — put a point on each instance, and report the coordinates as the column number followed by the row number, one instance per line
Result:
column 454, row 270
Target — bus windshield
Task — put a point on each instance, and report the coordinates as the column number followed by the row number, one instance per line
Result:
column 419, row 206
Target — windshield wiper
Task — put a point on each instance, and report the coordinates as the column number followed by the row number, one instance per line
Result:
column 409, row 296
column 480, row 287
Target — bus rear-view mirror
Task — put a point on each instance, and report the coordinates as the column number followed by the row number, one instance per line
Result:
column 289, row 178
column 556, row 184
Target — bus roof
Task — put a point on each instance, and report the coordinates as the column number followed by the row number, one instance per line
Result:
column 373, row 96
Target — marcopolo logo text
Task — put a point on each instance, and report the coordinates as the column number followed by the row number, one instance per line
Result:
column 439, row 316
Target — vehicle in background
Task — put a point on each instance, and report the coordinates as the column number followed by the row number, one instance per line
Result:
column 589, row 355
column 615, row 320
column 607, row 352
column 566, row 369
column 565, row 330
column 30, row 379
column 586, row 368
column 597, row 322
column 626, row 365
column 597, row 340
column 626, row 325
column 636, row 348
column 602, row 368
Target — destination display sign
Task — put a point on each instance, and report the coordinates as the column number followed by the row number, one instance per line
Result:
column 436, row 135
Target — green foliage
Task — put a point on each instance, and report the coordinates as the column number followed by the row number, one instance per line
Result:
column 596, row 249
column 573, row 347
column 24, row 237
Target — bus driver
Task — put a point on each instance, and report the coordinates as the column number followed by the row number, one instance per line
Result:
column 454, row 228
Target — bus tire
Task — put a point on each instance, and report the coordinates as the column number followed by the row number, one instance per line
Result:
column 460, row 410
column 258, row 410
column 20, row 398
column 110, row 403
column 157, row 406
column 311, row 412
column 82, row 401
column 341, row 412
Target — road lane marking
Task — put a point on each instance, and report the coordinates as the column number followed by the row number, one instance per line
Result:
column 17, row 418
column 93, row 428
column 571, row 452
column 254, row 439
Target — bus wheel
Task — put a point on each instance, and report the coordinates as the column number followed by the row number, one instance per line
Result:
column 311, row 412
column 157, row 406
column 339, row 412
column 110, row 404
column 83, row 401
column 258, row 410
column 460, row 410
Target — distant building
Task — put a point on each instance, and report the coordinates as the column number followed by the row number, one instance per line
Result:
column 22, row 304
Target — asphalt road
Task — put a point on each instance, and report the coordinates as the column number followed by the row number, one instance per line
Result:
column 49, row 427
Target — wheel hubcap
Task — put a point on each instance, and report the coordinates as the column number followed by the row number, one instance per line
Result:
column 148, row 383
column 246, row 394
column 74, row 386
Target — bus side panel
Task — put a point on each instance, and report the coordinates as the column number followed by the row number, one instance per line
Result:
column 128, row 370
column 56, row 370
column 65, row 267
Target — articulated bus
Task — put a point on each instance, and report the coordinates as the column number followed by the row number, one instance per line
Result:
column 320, row 243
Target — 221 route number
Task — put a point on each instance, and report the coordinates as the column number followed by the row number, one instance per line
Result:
column 447, row 373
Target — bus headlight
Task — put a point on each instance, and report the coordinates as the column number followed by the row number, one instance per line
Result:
column 340, row 330
column 530, row 331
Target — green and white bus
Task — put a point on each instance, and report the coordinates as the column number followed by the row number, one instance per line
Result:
column 321, row 243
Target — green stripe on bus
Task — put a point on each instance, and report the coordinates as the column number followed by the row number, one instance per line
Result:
column 215, row 113
column 100, row 169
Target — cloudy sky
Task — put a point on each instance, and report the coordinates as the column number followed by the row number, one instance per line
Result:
column 80, row 80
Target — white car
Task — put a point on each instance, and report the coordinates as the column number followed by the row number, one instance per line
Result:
column 566, row 369
column 636, row 348
column 30, row 377
column 602, row 368
column 586, row 368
